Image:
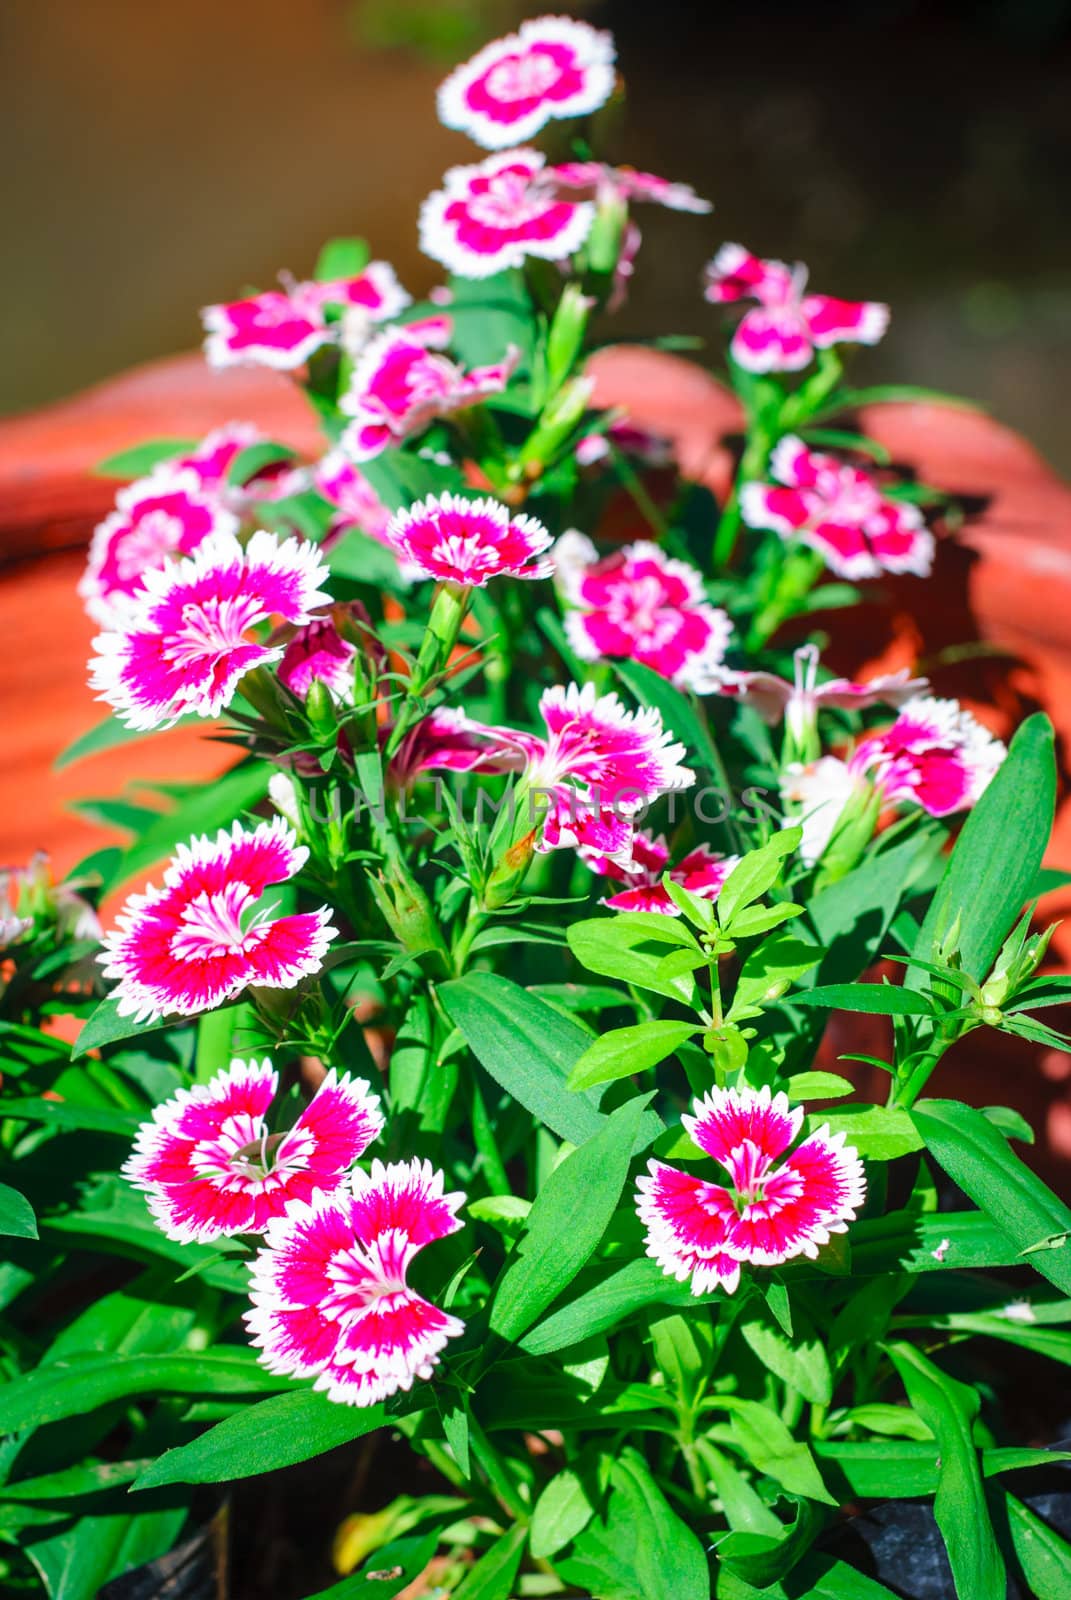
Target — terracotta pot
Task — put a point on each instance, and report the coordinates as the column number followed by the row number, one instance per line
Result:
column 1003, row 586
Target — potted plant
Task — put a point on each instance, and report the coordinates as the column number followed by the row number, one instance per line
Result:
column 454, row 1079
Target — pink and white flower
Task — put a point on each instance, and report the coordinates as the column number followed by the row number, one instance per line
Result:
column 702, row 872
column 318, row 653
column 330, row 1293
column 551, row 67
column 211, row 1168
column 594, row 180
column 639, row 604
column 204, row 936
column 211, row 462
column 838, row 510
column 184, row 641
column 597, row 767
column 816, row 795
column 449, row 740
column 493, row 215
column 157, row 519
column 799, row 701
column 283, row 327
column 356, row 501
column 935, row 755
column 400, row 387
column 212, row 459
column 466, row 542
column 788, row 326
column 782, row 1202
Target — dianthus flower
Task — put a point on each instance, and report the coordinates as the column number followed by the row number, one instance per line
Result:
column 639, row 604
column 283, row 327
column 551, row 67
column 702, row 871
column 400, row 386
column 799, row 700
column 357, row 504
column 183, row 642
column 838, row 510
column 597, row 767
column 156, row 520
column 466, row 542
column 202, row 938
column 211, row 1168
column 781, row 1201
column 330, row 1293
column 593, row 180
column 492, row 216
column 788, row 326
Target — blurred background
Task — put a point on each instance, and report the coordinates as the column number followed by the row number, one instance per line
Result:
column 159, row 157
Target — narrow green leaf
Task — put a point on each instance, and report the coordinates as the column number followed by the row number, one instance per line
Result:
column 800, row 1361
column 291, row 1427
column 492, row 1576
column 878, row 999
column 1045, row 1558
column 561, row 1512
column 630, row 947
column 140, row 459
column 609, row 1560
column 82, row 1383
column 878, row 1133
column 979, row 1159
column 768, row 1443
column 754, row 874
column 984, row 883
column 528, row 1047
column 568, row 1218
column 949, row 1409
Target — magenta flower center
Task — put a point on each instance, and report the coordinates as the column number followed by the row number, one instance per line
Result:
column 212, row 925
column 211, row 627
column 150, row 541
column 505, row 200
column 522, row 77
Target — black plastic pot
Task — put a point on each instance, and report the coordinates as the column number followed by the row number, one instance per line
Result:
column 898, row 1543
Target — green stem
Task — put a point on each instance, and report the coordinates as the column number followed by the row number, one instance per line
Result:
column 752, row 467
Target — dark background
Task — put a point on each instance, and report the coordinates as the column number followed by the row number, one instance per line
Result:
column 161, row 156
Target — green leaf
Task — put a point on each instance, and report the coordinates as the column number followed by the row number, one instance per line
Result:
column 986, row 884
column 979, row 1159
column 623, row 1051
column 568, row 1219
column 69, row 1114
column 1045, row 1558
column 836, row 1580
column 488, row 315
column 492, row 1576
column 82, row 1383
column 561, row 1512
column 754, row 874
column 879, row 999
column 770, row 1446
column 800, row 1361
column 619, row 947
column 17, row 1220
column 818, row 1086
column 949, row 1409
column 609, row 1559
column 341, row 258
column 73, row 1482
column 291, row 1427
column 528, row 1047
column 140, row 459
column 106, row 1026
column 771, row 969
column 108, row 735
column 681, row 715
column 630, row 1288
column 877, row 1133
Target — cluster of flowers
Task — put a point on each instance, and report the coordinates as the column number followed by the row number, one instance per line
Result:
column 192, row 598
column 329, row 1293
